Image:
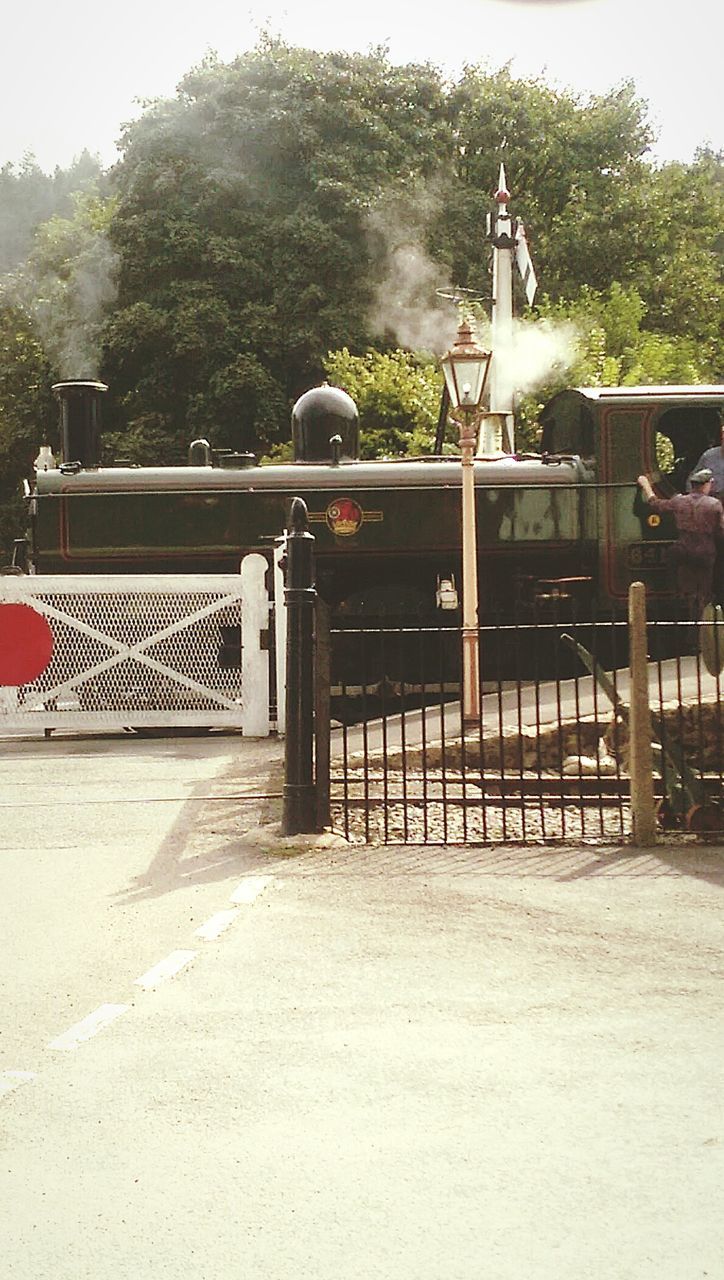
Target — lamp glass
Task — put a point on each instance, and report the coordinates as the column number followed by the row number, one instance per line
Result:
column 465, row 368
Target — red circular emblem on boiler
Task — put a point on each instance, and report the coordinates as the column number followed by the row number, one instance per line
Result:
column 344, row 517
column 26, row 644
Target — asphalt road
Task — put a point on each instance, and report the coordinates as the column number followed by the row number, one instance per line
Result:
column 429, row 1063
column 108, row 846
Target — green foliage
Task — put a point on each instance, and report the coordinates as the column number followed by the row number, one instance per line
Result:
column 595, row 211
column 398, row 396
column 242, row 224
column 29, row 197
column 27, row 418
column 561, row 153
column 291, row 213
column 612, row 349
column 67, row 283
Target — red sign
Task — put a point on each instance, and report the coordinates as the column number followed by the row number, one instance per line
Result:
column 344, row 517
column 26, row 644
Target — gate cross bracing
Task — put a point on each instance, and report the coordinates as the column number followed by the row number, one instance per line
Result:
column 143, row 651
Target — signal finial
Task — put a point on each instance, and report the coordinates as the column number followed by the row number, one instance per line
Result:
column 502, row 195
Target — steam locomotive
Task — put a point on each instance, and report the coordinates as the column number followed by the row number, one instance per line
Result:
column 567, row 523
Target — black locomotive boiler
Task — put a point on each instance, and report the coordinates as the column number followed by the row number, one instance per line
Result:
column 566, row 523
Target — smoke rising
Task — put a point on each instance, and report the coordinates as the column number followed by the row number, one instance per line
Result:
column 66, row 287
column 406, row 305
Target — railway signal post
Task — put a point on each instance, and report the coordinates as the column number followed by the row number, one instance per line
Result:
column 509, row 241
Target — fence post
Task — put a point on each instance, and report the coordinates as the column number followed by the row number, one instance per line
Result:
column 322, row 723
column 280, row 633
column 643, row 814
column 254, row 660
column 299, row 807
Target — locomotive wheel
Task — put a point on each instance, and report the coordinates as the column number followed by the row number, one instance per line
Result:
column 705, row 817
column 666, row 816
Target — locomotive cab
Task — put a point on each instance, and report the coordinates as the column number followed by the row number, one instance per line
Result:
column 660, row 431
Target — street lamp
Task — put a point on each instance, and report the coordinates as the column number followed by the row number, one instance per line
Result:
column 465, row 368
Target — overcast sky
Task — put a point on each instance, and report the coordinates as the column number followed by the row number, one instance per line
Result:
column 72, row 72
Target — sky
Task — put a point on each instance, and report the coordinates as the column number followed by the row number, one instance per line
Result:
column 71, row 74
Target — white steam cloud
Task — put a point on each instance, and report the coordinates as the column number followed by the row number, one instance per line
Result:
column 69, row 309
column 66, row 286
column 407, row 306
column 537, row 351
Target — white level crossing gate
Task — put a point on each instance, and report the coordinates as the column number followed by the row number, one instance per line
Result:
column 162, row 651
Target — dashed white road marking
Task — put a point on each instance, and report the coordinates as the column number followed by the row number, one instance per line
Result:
column 173, row 963
column 216, row 925
column 12, row 1080
column 250, row 888
column 206, row 866
column 95, row 1022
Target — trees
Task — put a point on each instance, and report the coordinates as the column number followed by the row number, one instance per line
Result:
column 595, row 211
column 610, row 347
column 293, row 204
column 562, row 155
column 26, row 417
column 241, row 223
column 30, row 197
column 398, row 397
column 67, row 283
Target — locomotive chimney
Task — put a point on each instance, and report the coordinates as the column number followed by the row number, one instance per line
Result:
column 80, row 421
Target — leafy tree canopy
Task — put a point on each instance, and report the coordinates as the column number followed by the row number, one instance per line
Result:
column 25, row 402
column 292, row 204
column 398, row 396
column 610, row 348
column 29, row 197
column 242, row 221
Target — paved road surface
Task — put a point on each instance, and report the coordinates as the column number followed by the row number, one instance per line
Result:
column 108, row 845
column 440, row 1064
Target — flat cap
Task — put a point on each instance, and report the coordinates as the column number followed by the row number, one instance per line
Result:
column 701, row 477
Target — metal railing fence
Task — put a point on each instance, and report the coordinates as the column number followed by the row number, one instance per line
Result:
column 547, row 759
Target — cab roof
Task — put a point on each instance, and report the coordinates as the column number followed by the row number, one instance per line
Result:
column 670, row 392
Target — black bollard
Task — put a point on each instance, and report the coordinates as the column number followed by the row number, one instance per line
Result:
column 300, row 597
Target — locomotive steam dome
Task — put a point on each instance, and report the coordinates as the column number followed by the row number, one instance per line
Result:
column 318, row 417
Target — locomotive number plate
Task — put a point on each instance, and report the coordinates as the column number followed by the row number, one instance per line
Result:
column 648, row 555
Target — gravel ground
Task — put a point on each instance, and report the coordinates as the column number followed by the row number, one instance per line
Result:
column 432, row 808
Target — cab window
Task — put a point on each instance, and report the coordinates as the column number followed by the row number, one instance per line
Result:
column 681, row 436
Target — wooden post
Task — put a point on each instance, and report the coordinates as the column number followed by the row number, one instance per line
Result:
column 254, row 661
column 643, row 815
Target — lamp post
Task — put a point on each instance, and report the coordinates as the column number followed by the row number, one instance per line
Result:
column 465, row 368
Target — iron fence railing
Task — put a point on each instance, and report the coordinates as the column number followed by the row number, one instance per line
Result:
column 546, row 760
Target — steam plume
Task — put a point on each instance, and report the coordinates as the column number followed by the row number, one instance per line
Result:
column 66, row 286
column 406, row 305
column 538, row 350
